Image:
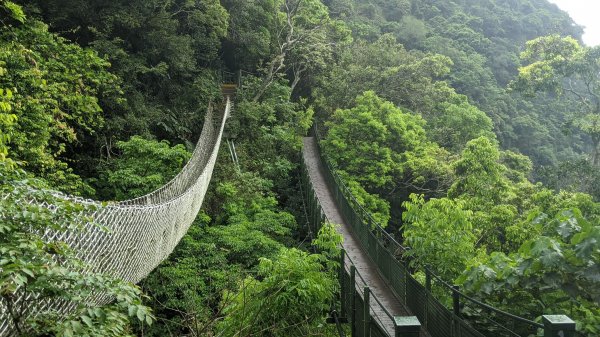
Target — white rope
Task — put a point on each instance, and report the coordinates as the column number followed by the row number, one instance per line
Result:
column 142, row 231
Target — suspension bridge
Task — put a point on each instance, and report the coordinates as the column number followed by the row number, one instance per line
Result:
column 128, row 239
column 379, row 296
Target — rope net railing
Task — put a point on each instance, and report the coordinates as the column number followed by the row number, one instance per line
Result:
column 128, row 239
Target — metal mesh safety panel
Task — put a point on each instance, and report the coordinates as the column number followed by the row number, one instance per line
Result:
column 359, row 310
column 347, row 293
column 377, row 330
column 496, row 325
column 142, row 232
column 397, row 278
column 439, row 319
column 465, row 330
column 383, row 260
column 415, row 298
column 372, row 246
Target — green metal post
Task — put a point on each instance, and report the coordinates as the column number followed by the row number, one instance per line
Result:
column 427, row 294
column 366, row 312
column 310, row 209
column 342, row 286
column 456, row 300
column 315, row 214
column 406, row 278
column 353, row 304
column 558, row 326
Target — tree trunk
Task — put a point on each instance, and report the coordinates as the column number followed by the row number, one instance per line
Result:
column 277, row 64
column 595, row 158
column 298, row 70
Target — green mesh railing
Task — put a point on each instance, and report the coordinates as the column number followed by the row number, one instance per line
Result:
column 357, row 302
column 388, row 256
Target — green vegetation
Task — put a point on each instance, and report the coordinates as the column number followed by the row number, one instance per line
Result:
column 43, row 269
column 141, row 167
column 292, row 297
column 383, row 150
column 563, row 66
column 475, row 147
column 53, row 106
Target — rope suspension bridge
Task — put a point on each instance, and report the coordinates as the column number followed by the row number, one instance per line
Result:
column 379, row 296
column 130, row 238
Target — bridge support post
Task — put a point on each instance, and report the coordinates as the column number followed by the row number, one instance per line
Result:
column 456, row 300
column 427, row 295
column 309, row 197
column 343, row 303
column 314, row 214
column 353, row 304
column 558, row 326
column 367, row 312
column 406, row 326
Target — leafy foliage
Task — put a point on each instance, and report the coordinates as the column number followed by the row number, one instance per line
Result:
column 217, row 253
column 406, row 78
column 578, row 175
column 382, row 148
column 483, row 40
column 439, row 233
column 562, row 66
column 53, row 88
column 142, row 166
column 556, row 270
column 432, row 117
column 457, row 123
column 291, row 298
column 162, row 50
column 41, row 269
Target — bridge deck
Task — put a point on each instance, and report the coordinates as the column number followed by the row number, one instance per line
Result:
column 362, row 262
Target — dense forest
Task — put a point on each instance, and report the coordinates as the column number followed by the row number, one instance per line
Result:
column 469, row 128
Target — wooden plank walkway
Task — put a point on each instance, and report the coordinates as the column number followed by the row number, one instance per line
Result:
column 363, row 263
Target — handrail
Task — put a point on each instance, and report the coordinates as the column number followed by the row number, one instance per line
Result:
column 382, row 306
column 359, row 210
column 347, row 258
column 487, row 306
column 128, row 239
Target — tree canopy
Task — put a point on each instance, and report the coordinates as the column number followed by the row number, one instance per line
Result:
column 470, row 144
column 562, row 66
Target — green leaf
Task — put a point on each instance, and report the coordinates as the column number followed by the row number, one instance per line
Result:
column 16, row 12
column 585, row 248
column 28, row 272
column 132, row 310
column 87, row 320
column 141, row 313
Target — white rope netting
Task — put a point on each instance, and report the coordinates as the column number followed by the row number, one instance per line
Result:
column 142, row 232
